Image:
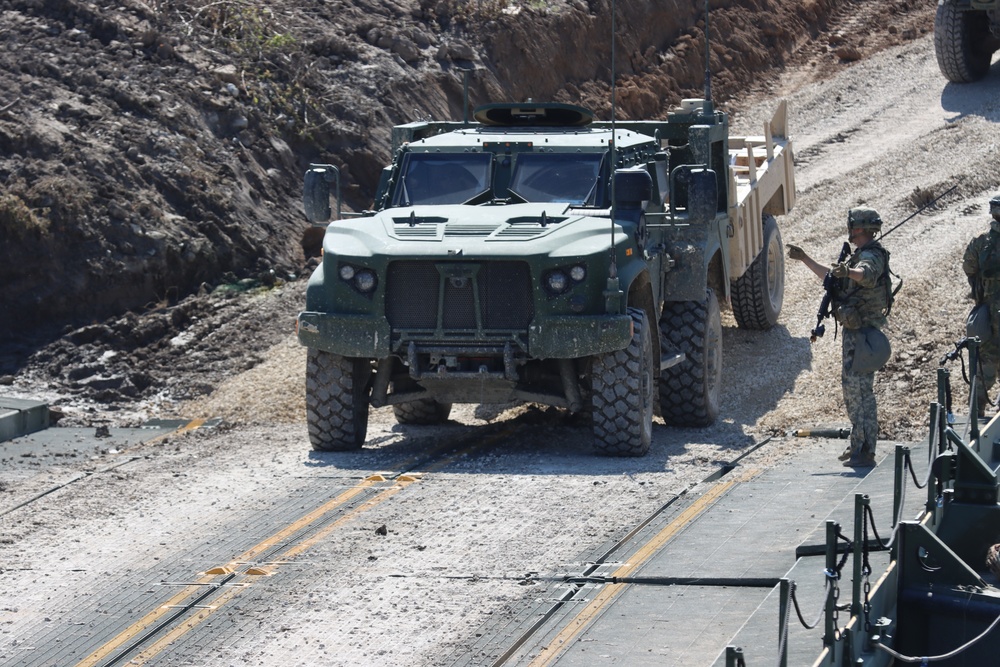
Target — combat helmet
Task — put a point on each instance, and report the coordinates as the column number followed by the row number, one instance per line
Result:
column 863, row 217
column 872, row 351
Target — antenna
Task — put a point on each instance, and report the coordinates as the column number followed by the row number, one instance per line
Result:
column 613, row 267
column 918, row 211
column 465, row 95
column 708, row 71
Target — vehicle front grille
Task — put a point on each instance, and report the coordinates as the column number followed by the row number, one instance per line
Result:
column 414, row 291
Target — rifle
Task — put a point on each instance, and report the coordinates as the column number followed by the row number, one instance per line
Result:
column 822, row 433
column 829, row 287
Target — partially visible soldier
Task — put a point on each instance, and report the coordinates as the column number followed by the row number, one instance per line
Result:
column 861, row 302
column 982, row 267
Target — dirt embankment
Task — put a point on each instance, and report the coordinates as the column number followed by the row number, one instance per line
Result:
column 147, row 150
column 151, row 155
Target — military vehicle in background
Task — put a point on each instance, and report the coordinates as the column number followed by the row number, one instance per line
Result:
column 534, row 254
column 966, row 35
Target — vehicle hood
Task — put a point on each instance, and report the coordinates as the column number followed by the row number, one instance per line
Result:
column 502, row 230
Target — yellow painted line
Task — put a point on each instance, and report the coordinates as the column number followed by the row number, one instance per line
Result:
column 203, row 615
column 190, row 426
column 210, row 575
column 608, row 593
column 146, row 621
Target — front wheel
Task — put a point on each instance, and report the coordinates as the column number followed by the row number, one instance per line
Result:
column 337, row 391
column 622, row 394
column 758, row 294
column 689, row 391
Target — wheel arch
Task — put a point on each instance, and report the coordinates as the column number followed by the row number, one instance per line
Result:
column 717, row 278
column 640, row 295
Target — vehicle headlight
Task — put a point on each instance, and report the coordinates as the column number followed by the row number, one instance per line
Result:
column 578, row 273
column 365, row 280
column 557, row 281
column 346, row 271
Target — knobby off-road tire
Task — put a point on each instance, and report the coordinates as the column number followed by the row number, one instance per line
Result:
column 622, row 395
column 337, row 390
column 689, row 391
column 422, row 412
column 962, row 43
column 757, row 295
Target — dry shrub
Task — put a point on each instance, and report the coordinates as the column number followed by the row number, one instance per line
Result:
column 920, row 197
column 17, row 221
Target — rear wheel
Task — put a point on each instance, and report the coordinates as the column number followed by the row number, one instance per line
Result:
column 757, row 295
column 422, row 412
column 963, row 43
column 689, row 391
column 337, row 390
column 622, row 394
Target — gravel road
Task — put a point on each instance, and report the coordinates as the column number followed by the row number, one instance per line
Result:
column 461, row 542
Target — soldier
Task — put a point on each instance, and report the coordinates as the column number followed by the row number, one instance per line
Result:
column 982, row 267
column 861, row 303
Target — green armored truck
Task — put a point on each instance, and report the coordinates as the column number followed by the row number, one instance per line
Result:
column 966, row 35
column 534, row 254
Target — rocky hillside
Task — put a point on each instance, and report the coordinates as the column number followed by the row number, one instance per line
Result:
column 149, row 150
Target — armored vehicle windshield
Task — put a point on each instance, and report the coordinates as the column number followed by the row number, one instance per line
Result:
column 478, row 177
column 557, row 177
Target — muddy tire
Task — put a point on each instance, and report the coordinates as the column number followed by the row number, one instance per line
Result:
column 422, row 412
column 622, row 396
column 689, row 391
column 962, row 43
column 757, row 295
column 337, row 390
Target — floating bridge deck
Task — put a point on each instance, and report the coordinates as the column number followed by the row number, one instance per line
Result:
column 759, row 569
column 732, row 572
column 704, row 579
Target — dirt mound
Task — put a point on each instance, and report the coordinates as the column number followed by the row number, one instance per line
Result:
column 146, row 150
column 151, row 155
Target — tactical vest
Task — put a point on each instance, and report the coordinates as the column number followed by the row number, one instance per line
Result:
column 989, row 269
column 869, row 306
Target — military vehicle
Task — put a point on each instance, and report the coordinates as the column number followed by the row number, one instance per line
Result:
column 966, row 35
column 535, row 254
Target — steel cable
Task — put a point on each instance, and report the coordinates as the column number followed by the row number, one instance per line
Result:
column 798, row 611
column 783, row 639
column 944, row 656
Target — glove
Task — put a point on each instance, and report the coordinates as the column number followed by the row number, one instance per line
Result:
column 795, row 252
column 839, row 270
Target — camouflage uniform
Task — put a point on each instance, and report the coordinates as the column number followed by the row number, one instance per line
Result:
column 981, row 264
column 857, row 305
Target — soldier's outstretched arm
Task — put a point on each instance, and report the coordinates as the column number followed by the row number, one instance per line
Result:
column 796, row 252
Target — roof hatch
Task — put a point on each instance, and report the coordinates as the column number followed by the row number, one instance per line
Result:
column 546, row 114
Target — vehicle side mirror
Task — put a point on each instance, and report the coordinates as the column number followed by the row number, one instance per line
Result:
column 703, row 194
column 632, row 188
column 316, row 192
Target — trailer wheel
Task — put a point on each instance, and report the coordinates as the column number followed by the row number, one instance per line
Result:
column 337, row 390
column 422, row 412
column 622, row 396
column 689, row 391
column 963, row 43
column 757, row 295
